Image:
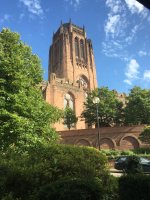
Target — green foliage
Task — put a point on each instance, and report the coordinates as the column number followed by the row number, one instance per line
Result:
column 70, row 118
column 110, row 153
column 145, row 135
column 75, row 189
column 110, row 109
column 134, row 187
column 127, row 153
column 40, row 173
column 111, row 188
column 143, row 151
column 25, row 116
column 137, row 109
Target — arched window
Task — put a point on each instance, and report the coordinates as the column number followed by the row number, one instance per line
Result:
column 82, row 48
column 77, row 47
column 69, row 101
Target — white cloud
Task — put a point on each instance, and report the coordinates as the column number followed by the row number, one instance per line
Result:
column 114, row 27
column 111, row 24
column 146, row 75
column 132, row 71
column 34, row 7
column 74, row 3
column 142, row 53
column 114, row 23
column 134, row 6
column 134, row 30
column 114, row 5
column 6, row 17
column 127, row 81
column 120, row 26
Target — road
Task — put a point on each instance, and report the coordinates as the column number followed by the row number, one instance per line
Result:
column 115, row 172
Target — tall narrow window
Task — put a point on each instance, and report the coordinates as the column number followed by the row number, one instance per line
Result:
column 76, row 47
column 69, row 101
column 55, row 54
column 90, row 55
column 82, row 48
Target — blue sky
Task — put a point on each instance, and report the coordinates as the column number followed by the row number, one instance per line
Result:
column 119, row 29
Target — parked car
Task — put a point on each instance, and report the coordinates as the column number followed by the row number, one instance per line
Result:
column 121, row 163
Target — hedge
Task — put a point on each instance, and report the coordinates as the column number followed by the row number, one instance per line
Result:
column 134, row 187
column 40, row 171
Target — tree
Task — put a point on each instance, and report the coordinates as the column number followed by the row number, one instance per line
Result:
column 70, row 118
column 110, row 109
column 25, row 116
column 137, row 109
column 145, row 135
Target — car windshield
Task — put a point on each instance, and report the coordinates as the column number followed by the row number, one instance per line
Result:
column 122, row 159
column 143, row 160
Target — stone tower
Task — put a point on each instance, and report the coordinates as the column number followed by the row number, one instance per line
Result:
column 71, row 71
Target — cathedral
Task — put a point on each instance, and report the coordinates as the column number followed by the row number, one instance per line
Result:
column 71, row 71
column 71, row 75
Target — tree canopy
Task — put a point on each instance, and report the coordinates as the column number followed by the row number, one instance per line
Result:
column 25, row 116
column 137, row 110
column 145, row 135
column 70, row 118
column 110, row 109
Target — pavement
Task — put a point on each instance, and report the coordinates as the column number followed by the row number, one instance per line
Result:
column 115, row 172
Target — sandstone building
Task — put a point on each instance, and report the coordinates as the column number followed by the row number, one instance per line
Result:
column 71, row 71
column 71, row 74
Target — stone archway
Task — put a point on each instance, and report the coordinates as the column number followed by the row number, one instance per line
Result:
column 83, row 142
column 129, row 142
column 106, row 143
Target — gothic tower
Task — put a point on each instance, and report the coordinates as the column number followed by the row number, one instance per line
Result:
column 71, row 70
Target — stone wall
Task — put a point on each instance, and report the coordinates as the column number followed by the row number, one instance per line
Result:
column 121, row 138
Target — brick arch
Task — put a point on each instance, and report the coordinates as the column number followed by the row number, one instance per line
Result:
column 83, row 142
column 107, row 143
column 83, row 76
column 71, row 94
column 129, row 142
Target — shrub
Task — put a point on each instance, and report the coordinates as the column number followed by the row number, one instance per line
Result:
column 145, row 135
column 110, row 188
column 111, row 152
column 72, row 189
column 134, row 187
column 127, row 153
column 142, row 150
column 27, row 175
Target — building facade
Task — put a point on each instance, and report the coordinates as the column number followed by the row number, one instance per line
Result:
column 71, row 71
column 71, row 75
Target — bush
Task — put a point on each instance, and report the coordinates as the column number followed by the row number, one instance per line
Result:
column 110, row 187
column 142, row 150
column 134, row 187
column 127, row 153
column 110, row 152
column 72, row 189
column 145, row 135
column 28, row 175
